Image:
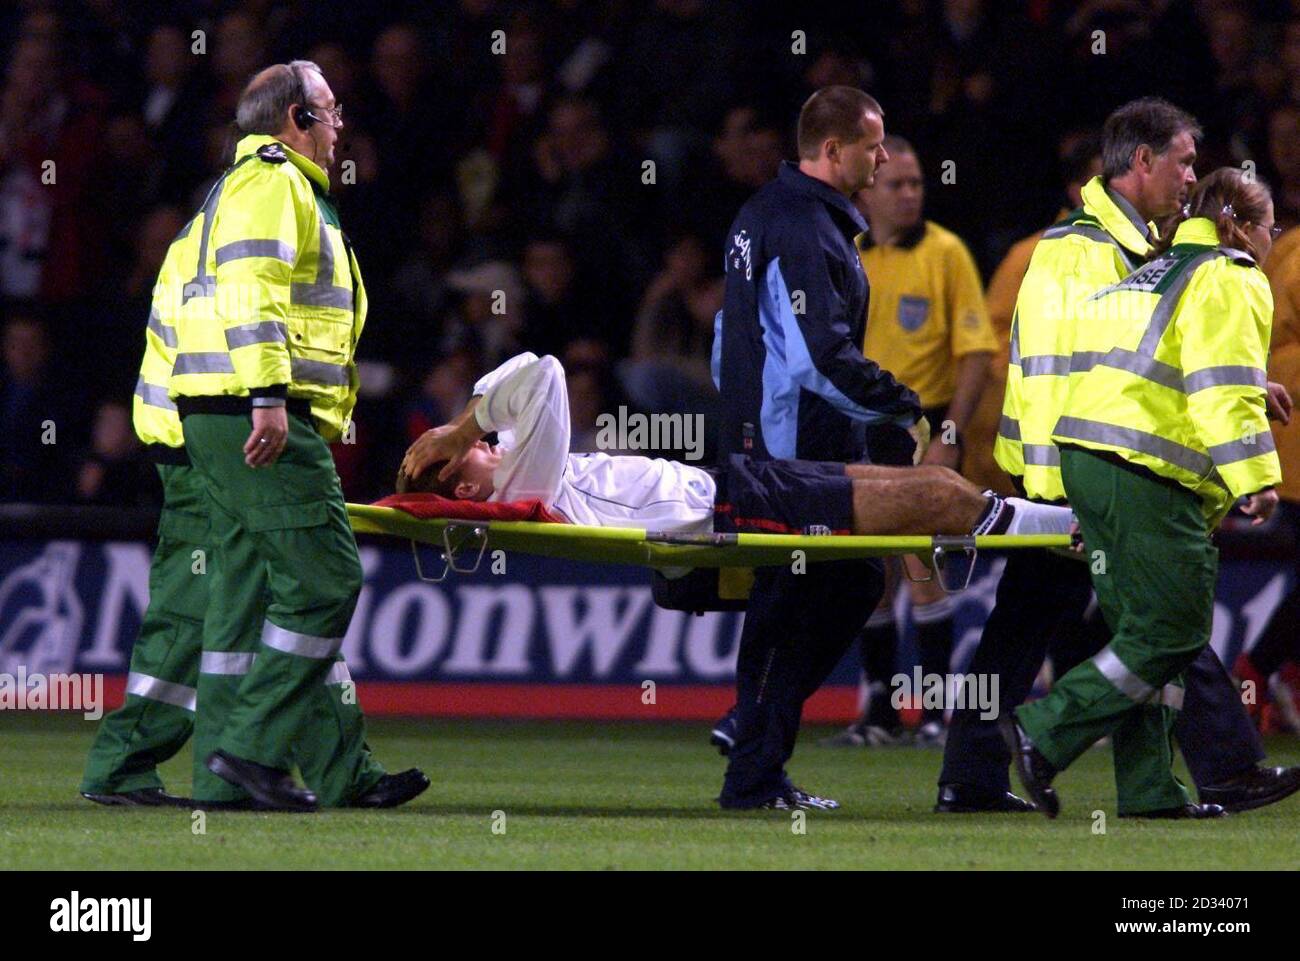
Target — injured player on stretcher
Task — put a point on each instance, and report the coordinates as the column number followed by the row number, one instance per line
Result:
column 525, row 402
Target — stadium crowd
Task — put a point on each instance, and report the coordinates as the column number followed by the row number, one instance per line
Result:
column 498, row 187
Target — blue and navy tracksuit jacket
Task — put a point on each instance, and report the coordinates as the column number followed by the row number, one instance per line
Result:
column 786, row 360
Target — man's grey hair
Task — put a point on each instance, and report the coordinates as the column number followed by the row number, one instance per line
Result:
column 1151, row 121
column 265, row 99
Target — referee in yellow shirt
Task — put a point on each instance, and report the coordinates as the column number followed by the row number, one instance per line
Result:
column 927, row 324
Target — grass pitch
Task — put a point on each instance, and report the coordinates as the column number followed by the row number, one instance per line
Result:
column 600, row 796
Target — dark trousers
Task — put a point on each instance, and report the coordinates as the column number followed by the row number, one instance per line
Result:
column 797, row 627
column 1039, row 595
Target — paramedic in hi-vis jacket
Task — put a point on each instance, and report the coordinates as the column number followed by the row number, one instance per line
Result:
column 1164, row 427
column 1148, row 153
column 267, row 313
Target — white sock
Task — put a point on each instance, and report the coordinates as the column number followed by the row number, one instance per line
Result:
column 995, row 516
column 1031, row 518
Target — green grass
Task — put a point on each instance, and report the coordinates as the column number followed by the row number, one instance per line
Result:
column 606, row 796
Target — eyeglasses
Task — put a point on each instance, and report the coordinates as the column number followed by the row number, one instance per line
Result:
column 336, row 112
column 1275, row 231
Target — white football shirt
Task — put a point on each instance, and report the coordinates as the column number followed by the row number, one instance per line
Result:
column 526, row 402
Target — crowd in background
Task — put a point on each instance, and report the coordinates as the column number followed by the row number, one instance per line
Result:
column 563, row 186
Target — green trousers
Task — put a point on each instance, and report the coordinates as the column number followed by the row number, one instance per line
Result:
column 166, row 678
column 1153, row 568
column 158, row 715
column 285, row 577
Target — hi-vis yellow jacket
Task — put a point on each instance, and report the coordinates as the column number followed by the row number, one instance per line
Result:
column 154, row 414
column 1093, row 246
column 260, row 291
column 1168, row 366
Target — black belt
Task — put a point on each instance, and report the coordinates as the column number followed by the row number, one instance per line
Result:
column 228, row 404
column 162, row 454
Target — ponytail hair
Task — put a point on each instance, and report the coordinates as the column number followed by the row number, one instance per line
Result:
column 1228, row 198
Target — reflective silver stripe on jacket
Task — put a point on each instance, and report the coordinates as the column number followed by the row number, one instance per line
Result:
column 1038, row 365
column 225, row 662
column 156, row 689
column 1236, row 450
column 316, row 295
column 304, row 645
column 1009, row 428
column 204, row 285
column 239, row 249
column 1121, row 358
column 1078, row 230
column 318, row 372
column 198, row 287
column 258, row 332
column 1226, row 375
column 153, row 395
column 211, row 362
column 164, row 332
column 1092, row 233
column 1042, row 455
column 1164, row 311
column 322, row 293
column 1139, row 440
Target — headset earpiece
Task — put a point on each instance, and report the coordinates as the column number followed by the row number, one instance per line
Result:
column 302, row 117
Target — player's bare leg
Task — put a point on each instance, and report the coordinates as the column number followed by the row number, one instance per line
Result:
column 914, row 501
column 935, row 500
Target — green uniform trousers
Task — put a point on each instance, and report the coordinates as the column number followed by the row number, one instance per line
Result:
column 285, row 577
column 158, row 715
column 1154, row 569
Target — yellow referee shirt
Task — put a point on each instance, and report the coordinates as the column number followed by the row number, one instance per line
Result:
column 927, row 309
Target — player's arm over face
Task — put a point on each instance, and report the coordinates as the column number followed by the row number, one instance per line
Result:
column 525, row 401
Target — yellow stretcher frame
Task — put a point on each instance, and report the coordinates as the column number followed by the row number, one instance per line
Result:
column 457, row 538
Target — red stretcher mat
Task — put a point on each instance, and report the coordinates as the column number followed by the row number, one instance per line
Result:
column 435, row 507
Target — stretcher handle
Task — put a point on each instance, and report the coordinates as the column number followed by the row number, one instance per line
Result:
column 943, row 546
column 449, row 551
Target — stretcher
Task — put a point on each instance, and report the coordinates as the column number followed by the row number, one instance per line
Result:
column 462, row 543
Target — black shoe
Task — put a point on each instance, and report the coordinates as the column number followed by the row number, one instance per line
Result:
column 393, row 790
column 1035, row 771
column 1254, row 789
column 149, row 797
column 1196, row 812
column 271, row 786
column 969, row 799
